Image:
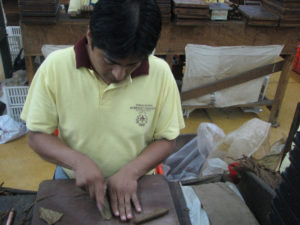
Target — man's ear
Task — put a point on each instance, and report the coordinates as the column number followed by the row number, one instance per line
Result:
column 89, row 36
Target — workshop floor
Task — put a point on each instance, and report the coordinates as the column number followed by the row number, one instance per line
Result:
column 23, row 169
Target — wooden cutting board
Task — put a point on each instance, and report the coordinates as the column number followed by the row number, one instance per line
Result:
column 79, row 209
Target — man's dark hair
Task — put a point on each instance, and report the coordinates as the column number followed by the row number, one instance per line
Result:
column 125, row 28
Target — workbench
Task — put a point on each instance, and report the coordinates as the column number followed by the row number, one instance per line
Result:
column 22, row 201
column 173, row 40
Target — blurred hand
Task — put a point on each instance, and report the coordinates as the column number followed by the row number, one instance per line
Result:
column 122, row 188
column 89, row 176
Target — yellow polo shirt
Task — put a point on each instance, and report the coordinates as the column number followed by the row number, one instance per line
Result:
column 112, row 124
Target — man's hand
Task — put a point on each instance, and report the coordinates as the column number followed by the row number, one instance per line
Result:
column 122, row 188
column 89, row 176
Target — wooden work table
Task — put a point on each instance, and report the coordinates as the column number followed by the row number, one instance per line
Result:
column 171, row 197
column 173, row 40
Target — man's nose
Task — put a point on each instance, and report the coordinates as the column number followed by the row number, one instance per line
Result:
column 119, row 72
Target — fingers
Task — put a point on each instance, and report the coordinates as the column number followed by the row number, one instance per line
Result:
column 114, row 202
column 91, row 190
column 136, row 203
column 128, row 207
column 122, row 191
column 121, row 203
column 100, row 189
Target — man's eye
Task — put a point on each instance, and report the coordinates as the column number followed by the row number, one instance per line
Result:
column 108, row 62
column 132, row 65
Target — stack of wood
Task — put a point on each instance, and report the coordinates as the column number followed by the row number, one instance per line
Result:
column 165, row 9
column 258, row 16
column 39, row 11
column 287, row 10
column 190, row 12
column 11, row 12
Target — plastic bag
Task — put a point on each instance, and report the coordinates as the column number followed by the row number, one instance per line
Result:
column 187, row 162
column 209, row 134
column 10, row 129
column 214, row 166
column 251, row 139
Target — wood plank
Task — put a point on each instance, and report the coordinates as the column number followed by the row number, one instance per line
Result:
column 289, row 1
column 258, row 16
column 289, row 23
column 232, row 80
column 163, row 1
column 282, row 85
column 192, row 17
column 288, row 4
column 266, row 23
column 250, row 104
column 255, row 12
column 44, row 20
column 179, row 202
column 190, row 3
column 185, row 21
column 65, row 32
column 11, row 12
column 173, row 38
column 190, row 11
column 279, row 10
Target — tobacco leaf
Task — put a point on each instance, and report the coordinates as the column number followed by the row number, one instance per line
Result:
column 106, row 212
column 50, row 216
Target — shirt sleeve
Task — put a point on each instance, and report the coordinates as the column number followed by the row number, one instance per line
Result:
column 170, row 119
column 39, row 110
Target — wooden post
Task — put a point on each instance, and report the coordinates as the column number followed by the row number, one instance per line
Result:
column 29, row 68
column 282, row 84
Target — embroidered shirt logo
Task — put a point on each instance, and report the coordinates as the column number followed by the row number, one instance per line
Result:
column 141, row 119
column 142, row 113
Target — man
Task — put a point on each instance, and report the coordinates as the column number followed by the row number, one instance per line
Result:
column 117, row 107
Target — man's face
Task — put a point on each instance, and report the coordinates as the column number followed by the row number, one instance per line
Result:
column 108, row 69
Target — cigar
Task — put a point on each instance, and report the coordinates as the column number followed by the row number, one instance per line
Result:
column 151, row 216
column 10, row 217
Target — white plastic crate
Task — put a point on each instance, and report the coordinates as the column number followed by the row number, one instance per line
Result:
column 16, row 95
column 14, row 38
column 15, row 98
column 14, row 112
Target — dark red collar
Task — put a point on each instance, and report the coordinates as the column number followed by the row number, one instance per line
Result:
column 83, row 60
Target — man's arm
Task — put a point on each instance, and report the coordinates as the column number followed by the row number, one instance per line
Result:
column 123, row 185
column 87, row 173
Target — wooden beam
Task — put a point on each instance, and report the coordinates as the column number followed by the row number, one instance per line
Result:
column 282, row 85
column 232, row 80
column 250, row 104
